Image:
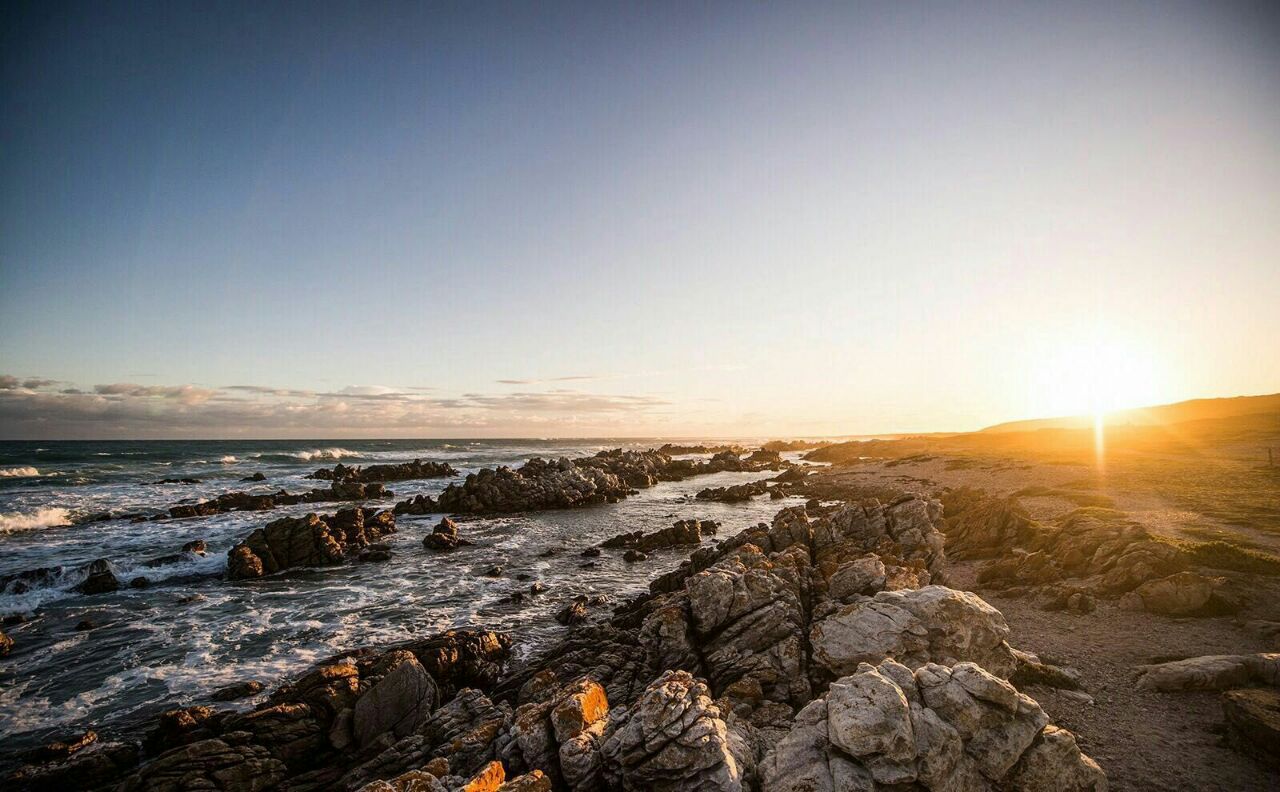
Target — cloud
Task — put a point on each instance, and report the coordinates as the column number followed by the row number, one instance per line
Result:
column 130, row 410
column 571, row 378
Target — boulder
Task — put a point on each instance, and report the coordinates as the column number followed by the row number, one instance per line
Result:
column 398, row 702
column 673, row 739
column 443, row 537
column 1181, row 594
column 99, row 578
column 938, row 728
column 918, row 626
column 1253, row 723
column 312, row 540
column 1211, row 672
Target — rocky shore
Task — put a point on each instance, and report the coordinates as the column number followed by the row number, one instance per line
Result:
column 816, row 652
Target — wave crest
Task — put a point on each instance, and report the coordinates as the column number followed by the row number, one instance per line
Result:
column 48, row 517
column 326, row 453
column 18, row 472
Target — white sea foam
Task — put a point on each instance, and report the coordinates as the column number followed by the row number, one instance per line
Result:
column 326, row 453
column 228, row 460
column 47, row 517
column 18, row 472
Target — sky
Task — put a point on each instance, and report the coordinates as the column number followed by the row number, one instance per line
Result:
column 658, row 219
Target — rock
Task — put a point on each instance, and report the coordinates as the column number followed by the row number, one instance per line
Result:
column 84, row 625
column 861, row 576
column 99, row 578
column 176, row 481
column 379, row 551
column 195, row 546
column 1030, row 671
column 590, row 552
column 61, row 750
column 6, row 644
column 633, row 556
column 98, row 767
column 238, row 691
column 225, row 764
column 403, row 471
column 412, row 781
column 443, row 537
column 914, row 627
column 1253, row 723
column 258, row 476
column 398, row 702
column 533, row 781
column 1211, row 672
column 537, row 588
column 1181, row 594
column 178, row 727
column 683, row 532
column 734, row 494
column 939, row 727
column 573, row 613
column 494, row 571
column 313, row 540
column 418, row 504
column 673, row 738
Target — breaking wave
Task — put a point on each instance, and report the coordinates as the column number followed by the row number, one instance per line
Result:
column 48, row 517
column 325, row 453
column 18, row 472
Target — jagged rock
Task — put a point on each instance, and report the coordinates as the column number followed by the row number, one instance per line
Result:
column 378, row 551
column 673, row 738
column 313, row 540
column 683, row 532
column 229, row 764
column 6, row 644
column 61, row 750
column 862, row 576
column 95, row 767
column 1181, row 594
column 176, row 481
column 533, row 781
column 914, row 627
column 443, row 537
column 735, row 493
column 573, row 613
column 941, row 728
column 99, row 578
column 1031, row 671
column 245, row 501
column 412, row 781
column 403, row 471
column 238, row 691
column 1253, row 723
column 398, row 702
column 1211, row 672
column 418, row 504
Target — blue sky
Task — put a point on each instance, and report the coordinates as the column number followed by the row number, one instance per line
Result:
column 633, row 219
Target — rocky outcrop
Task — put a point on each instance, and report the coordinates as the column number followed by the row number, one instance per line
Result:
column 1253, row 723
column 444, row 536
column 402, row 471
column 934, row 624
column 735, row 493
column 566, row 483
column 673, row 739
column 1181, row 594
column 100, row 578
column 418, row 504
column 312, row 540
column 1211, row 672
column 244, row 501
column 939, row 727
column 682, row 532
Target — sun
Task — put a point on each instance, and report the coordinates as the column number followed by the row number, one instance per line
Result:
column 1095, row 373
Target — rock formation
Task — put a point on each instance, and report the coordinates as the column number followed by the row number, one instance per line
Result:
column 312, row 540
column 402, row 471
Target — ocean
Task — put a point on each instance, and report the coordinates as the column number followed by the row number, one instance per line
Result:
column 189, row 632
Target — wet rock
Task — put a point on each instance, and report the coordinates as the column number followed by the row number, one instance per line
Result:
column 258, row 476
column 443, row 537
column 99, row 578
column 733, row 494
column 195, row 546
column 61, row 750
column 914, row 627
column 177, row 727
column 176, row 481
column 313, row 540
column 379, row 551
column 573, row 613
column 98, row 766
column 633, row 556
column 683, row 532
column 494, row 571
column 590, row 552
column 418, row 504
column 6, row 644
column 237, row 691
column 244, row 501
column 537, row 588
column 403, row 471
column 1253, row 723
column 84, row 625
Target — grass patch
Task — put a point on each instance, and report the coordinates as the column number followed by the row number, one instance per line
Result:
column 1221, row 555
column 1088, row 499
